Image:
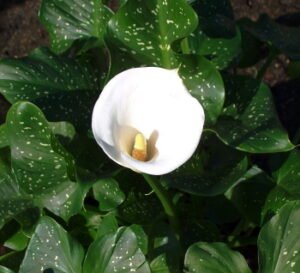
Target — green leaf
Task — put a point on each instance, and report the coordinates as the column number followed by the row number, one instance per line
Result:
column 249, row 121
column 108, row 193
column 118, row 252
column 221, row 51
column 141, row 237
column 250, row 194
column 68, row 21
column 275, row 200
column 286, row 172
column 17, row 242
column 205, row 83
column 279, row 241
column 108, row 225
column 12, row 260
column 208, row 172
column 145, row 30
column 141, row 205
column 288, row 175
column 64, row 89
column 119, row 60
column 43, row 169
column 35, row 162
column 285, row 38
column 12, row 201
column 3, row 136
column 5, row 270
column 160, row 265
column 216, row 36
column 63, row 128
column 140, row 208
column 51, row 247
column 214, row 258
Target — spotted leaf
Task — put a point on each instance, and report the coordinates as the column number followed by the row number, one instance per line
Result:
column 63, row 128
column 118, row 252
column 68, row 21
column 12, row 201
column 279, row 241
column 214, row 258
column 145, row 30
column 221, row 51
column 108, row 193
column 43, row 169
column 205, row 83
column 216, row 36
column 276, row 199
column 52, row 249
column 249, row 121
column 208, row 172
column 64, row 89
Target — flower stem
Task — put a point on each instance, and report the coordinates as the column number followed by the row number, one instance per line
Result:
column 166, row 202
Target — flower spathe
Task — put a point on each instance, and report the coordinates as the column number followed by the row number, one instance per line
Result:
column 150, row 105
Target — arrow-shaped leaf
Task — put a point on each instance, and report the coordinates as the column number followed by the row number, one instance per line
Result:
column 64, row 89
column 214, row 258
column 118, row 252
column 68, row 21
column 249, row 121
column 43, row 169
column 51, row 248
column 145, row 30
column 279, row 241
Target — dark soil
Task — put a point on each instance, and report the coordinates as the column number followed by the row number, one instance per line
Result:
column 20, row 32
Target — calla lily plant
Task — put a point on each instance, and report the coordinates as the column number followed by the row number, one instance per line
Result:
column 146, row 120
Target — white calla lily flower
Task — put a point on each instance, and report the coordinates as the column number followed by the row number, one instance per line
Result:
column 146, row 120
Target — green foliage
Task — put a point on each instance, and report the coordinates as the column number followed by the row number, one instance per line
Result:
column 208, row 172
column 51, row 248
column 249, row 121
column 117, row 252
column 205, row 83
column 65, row 207
column 5, row 270
column 68, row 21
column 146, row 30
column 250, row 193
column 279, row 242
column 214, row 258
column 65, row 89
column 108, row 193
